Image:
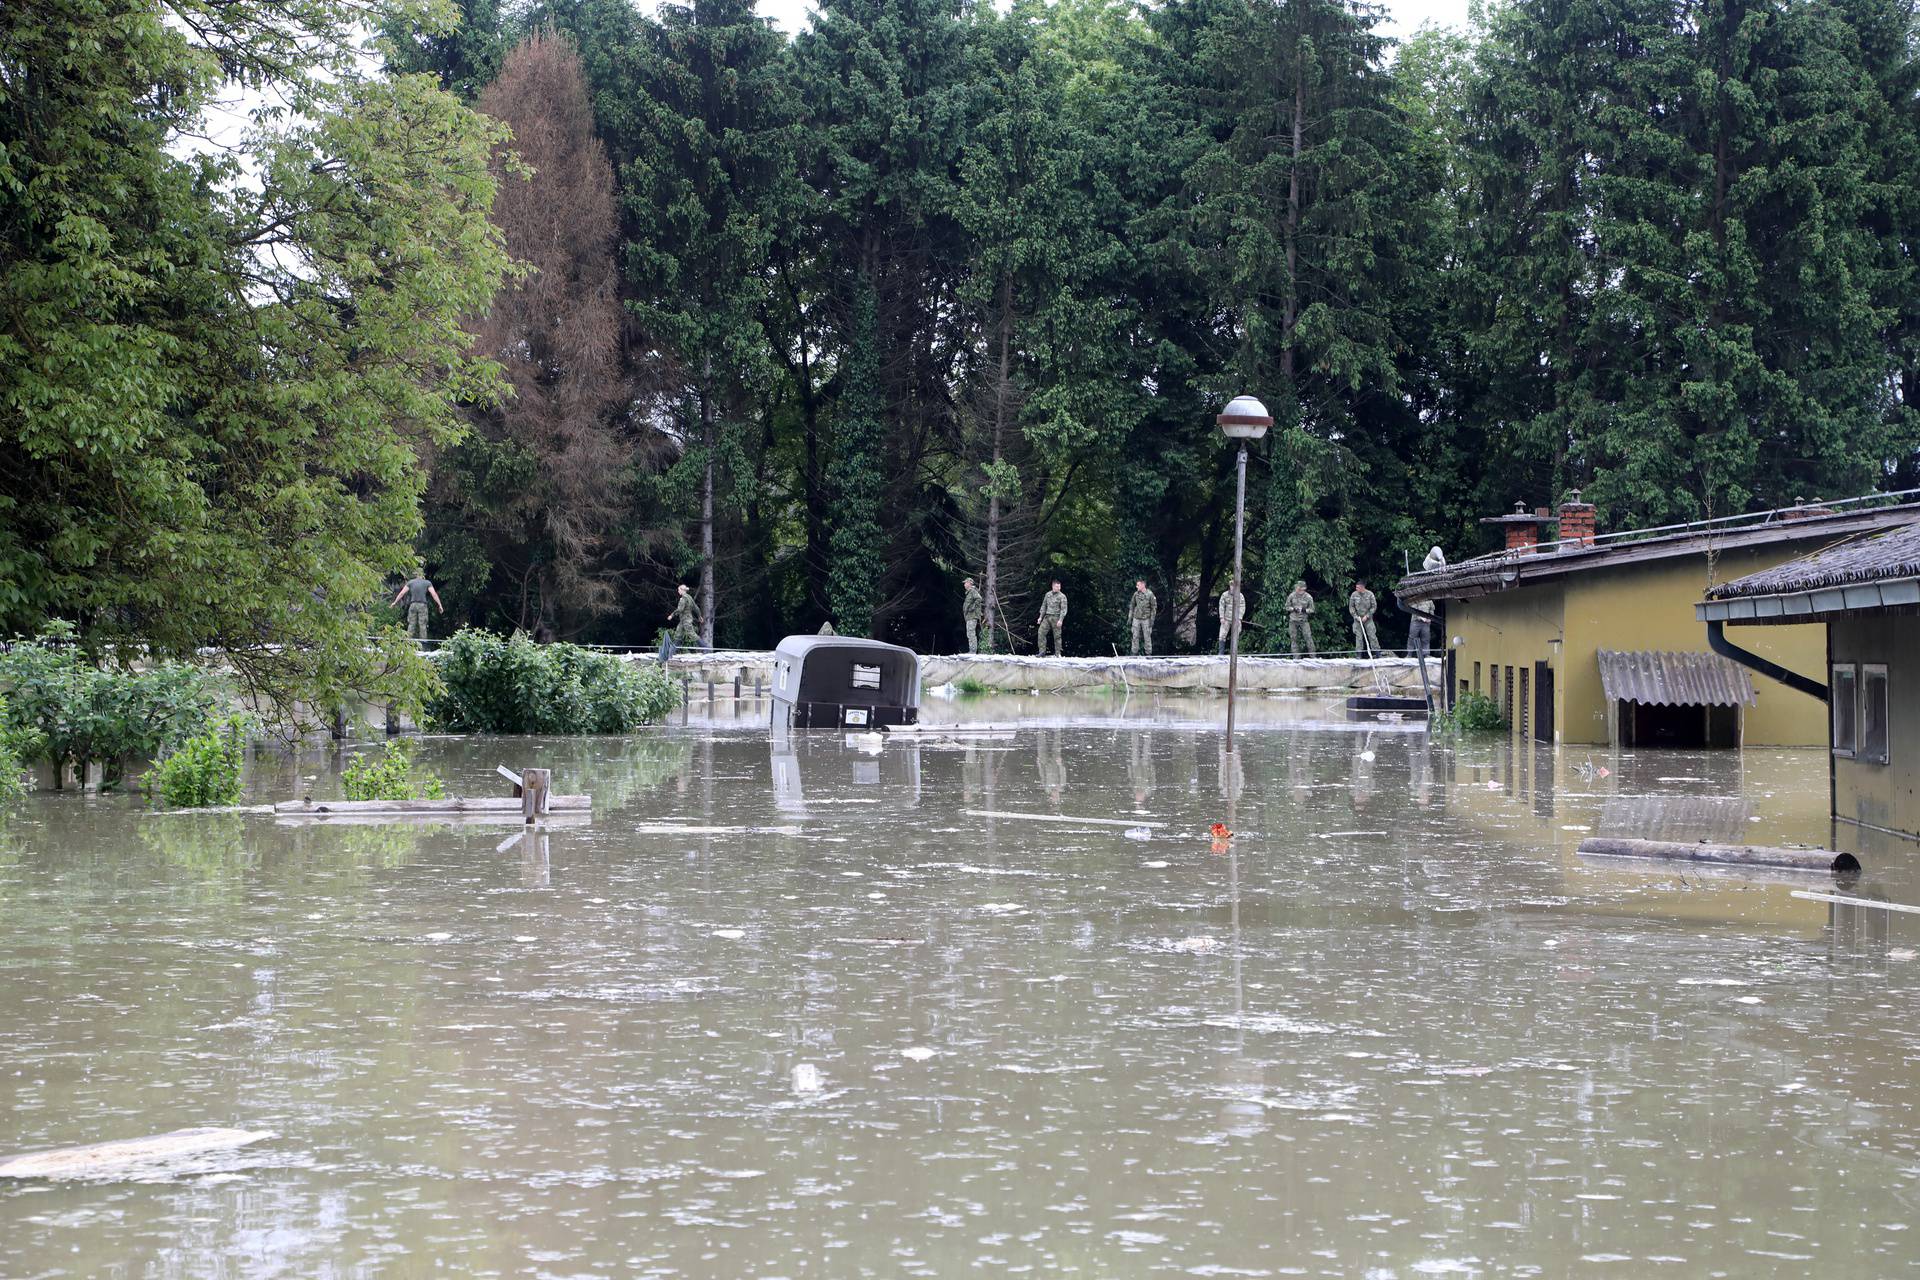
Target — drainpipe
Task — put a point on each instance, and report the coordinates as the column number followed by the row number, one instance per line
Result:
column 1718, row 642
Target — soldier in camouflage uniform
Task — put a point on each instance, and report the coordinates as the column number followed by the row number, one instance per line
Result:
column 1233, row 611
column 1053, row 612
column 826, row 628
column 1360, row 607
column 974, row 611
column 686, row 618
column 415, row 591
column 1300, row 617
column 1420, row 629
column 1140, row 611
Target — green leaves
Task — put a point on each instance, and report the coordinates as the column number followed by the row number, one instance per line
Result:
column 217, row 390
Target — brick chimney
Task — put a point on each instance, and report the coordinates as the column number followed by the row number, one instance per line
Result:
column 1576, row 520
column 1522, row 528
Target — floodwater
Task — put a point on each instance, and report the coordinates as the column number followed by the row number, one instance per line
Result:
column 789, row 1009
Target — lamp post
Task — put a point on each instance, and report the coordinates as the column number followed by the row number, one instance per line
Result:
column 1244, row 419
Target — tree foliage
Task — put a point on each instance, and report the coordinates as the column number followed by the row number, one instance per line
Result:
column 527, row 508
column 219, row 369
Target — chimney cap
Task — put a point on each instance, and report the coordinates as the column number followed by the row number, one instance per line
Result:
column 1521, row 515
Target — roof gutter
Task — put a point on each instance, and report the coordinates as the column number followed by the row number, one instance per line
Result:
column 1718, row 642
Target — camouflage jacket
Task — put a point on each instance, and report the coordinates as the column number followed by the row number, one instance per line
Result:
column 1142, row 607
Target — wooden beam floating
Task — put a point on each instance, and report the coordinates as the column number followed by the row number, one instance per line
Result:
column 1749, row 855
column 107, row 1159
column 508, row 806
column 1845, row 901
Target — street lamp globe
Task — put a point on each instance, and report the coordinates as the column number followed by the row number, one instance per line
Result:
column 1244, row 418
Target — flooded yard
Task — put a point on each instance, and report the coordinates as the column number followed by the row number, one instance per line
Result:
column 805, row 1008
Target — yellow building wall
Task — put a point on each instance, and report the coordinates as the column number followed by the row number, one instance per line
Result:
column 1881, row 795
column 1637, row 606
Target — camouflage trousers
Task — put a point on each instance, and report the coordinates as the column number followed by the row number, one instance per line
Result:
column 1365, row 640
column 1298, row 629
column 1143, row 636
column 1420, row 636
column 973, row 635
column 1227, row 632
column 684, row 634
column 416, row 622
column 1049, row 625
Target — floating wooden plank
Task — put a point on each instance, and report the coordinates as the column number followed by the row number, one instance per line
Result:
column 572, row 818
column 458, row 805
column 1062, row 817
column 1819, row 860
column 104, row 1159
column 676, row 829
column 510, row 776
column 1845, row 901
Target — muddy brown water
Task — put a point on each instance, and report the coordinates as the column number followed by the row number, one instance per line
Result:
column 1394, row 1028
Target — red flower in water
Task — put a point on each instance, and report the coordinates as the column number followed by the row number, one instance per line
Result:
column 1219, row 831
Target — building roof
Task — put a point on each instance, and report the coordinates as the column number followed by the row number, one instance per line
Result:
column 1861, row 573
column 1664, row 679
column 1892, row 554
column 1507, row 570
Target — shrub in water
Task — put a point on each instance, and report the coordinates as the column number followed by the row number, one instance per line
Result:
column 16, row 748
column 203, row 771
column 494, row 685
column 389, row 776
column 76, row 712
column 1473, row 713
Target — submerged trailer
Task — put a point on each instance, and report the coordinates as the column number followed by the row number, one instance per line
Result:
column 836, row 682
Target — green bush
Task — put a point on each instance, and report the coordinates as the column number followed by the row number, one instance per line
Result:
column 203, row 771
column 1472, row 713
column 74, row 711
column 494, row 685
column 389, row 777
column 16, row 748
column 968, row 686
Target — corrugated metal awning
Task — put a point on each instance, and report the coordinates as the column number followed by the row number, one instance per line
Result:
column 1674, row 679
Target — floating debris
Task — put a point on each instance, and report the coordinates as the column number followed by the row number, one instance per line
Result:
column 807, row 1079
column 110, row 1159
column 918, row 1053
column 1062, row 817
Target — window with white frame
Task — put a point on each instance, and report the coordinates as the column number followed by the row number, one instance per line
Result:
column 1843, row 697
column 1873, row 713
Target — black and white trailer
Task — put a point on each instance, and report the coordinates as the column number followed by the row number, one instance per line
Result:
column 842, row 682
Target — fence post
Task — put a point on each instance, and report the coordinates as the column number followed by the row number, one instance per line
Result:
column 534, row 785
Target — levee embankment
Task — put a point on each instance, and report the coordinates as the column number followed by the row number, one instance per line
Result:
column 1022, row 672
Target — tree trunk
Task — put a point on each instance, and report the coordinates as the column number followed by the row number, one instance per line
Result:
column 706, row 505
column 1000, row 397
column 1290, row 304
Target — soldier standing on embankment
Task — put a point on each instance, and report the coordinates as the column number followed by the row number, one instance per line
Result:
column 1233, row 609
column 417, row 590
column 686, row 618
column 973, row 610
column 1360, row 607
column 1053, row 613
column 1300, row 617
column 1140, row 611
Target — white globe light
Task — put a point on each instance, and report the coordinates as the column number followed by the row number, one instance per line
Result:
column 1244, row 418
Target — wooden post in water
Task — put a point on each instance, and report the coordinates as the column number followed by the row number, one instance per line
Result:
column 709, row 693
column 739, row 677
column 534, row 787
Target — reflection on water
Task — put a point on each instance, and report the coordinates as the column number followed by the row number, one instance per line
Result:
column 817, row 1019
